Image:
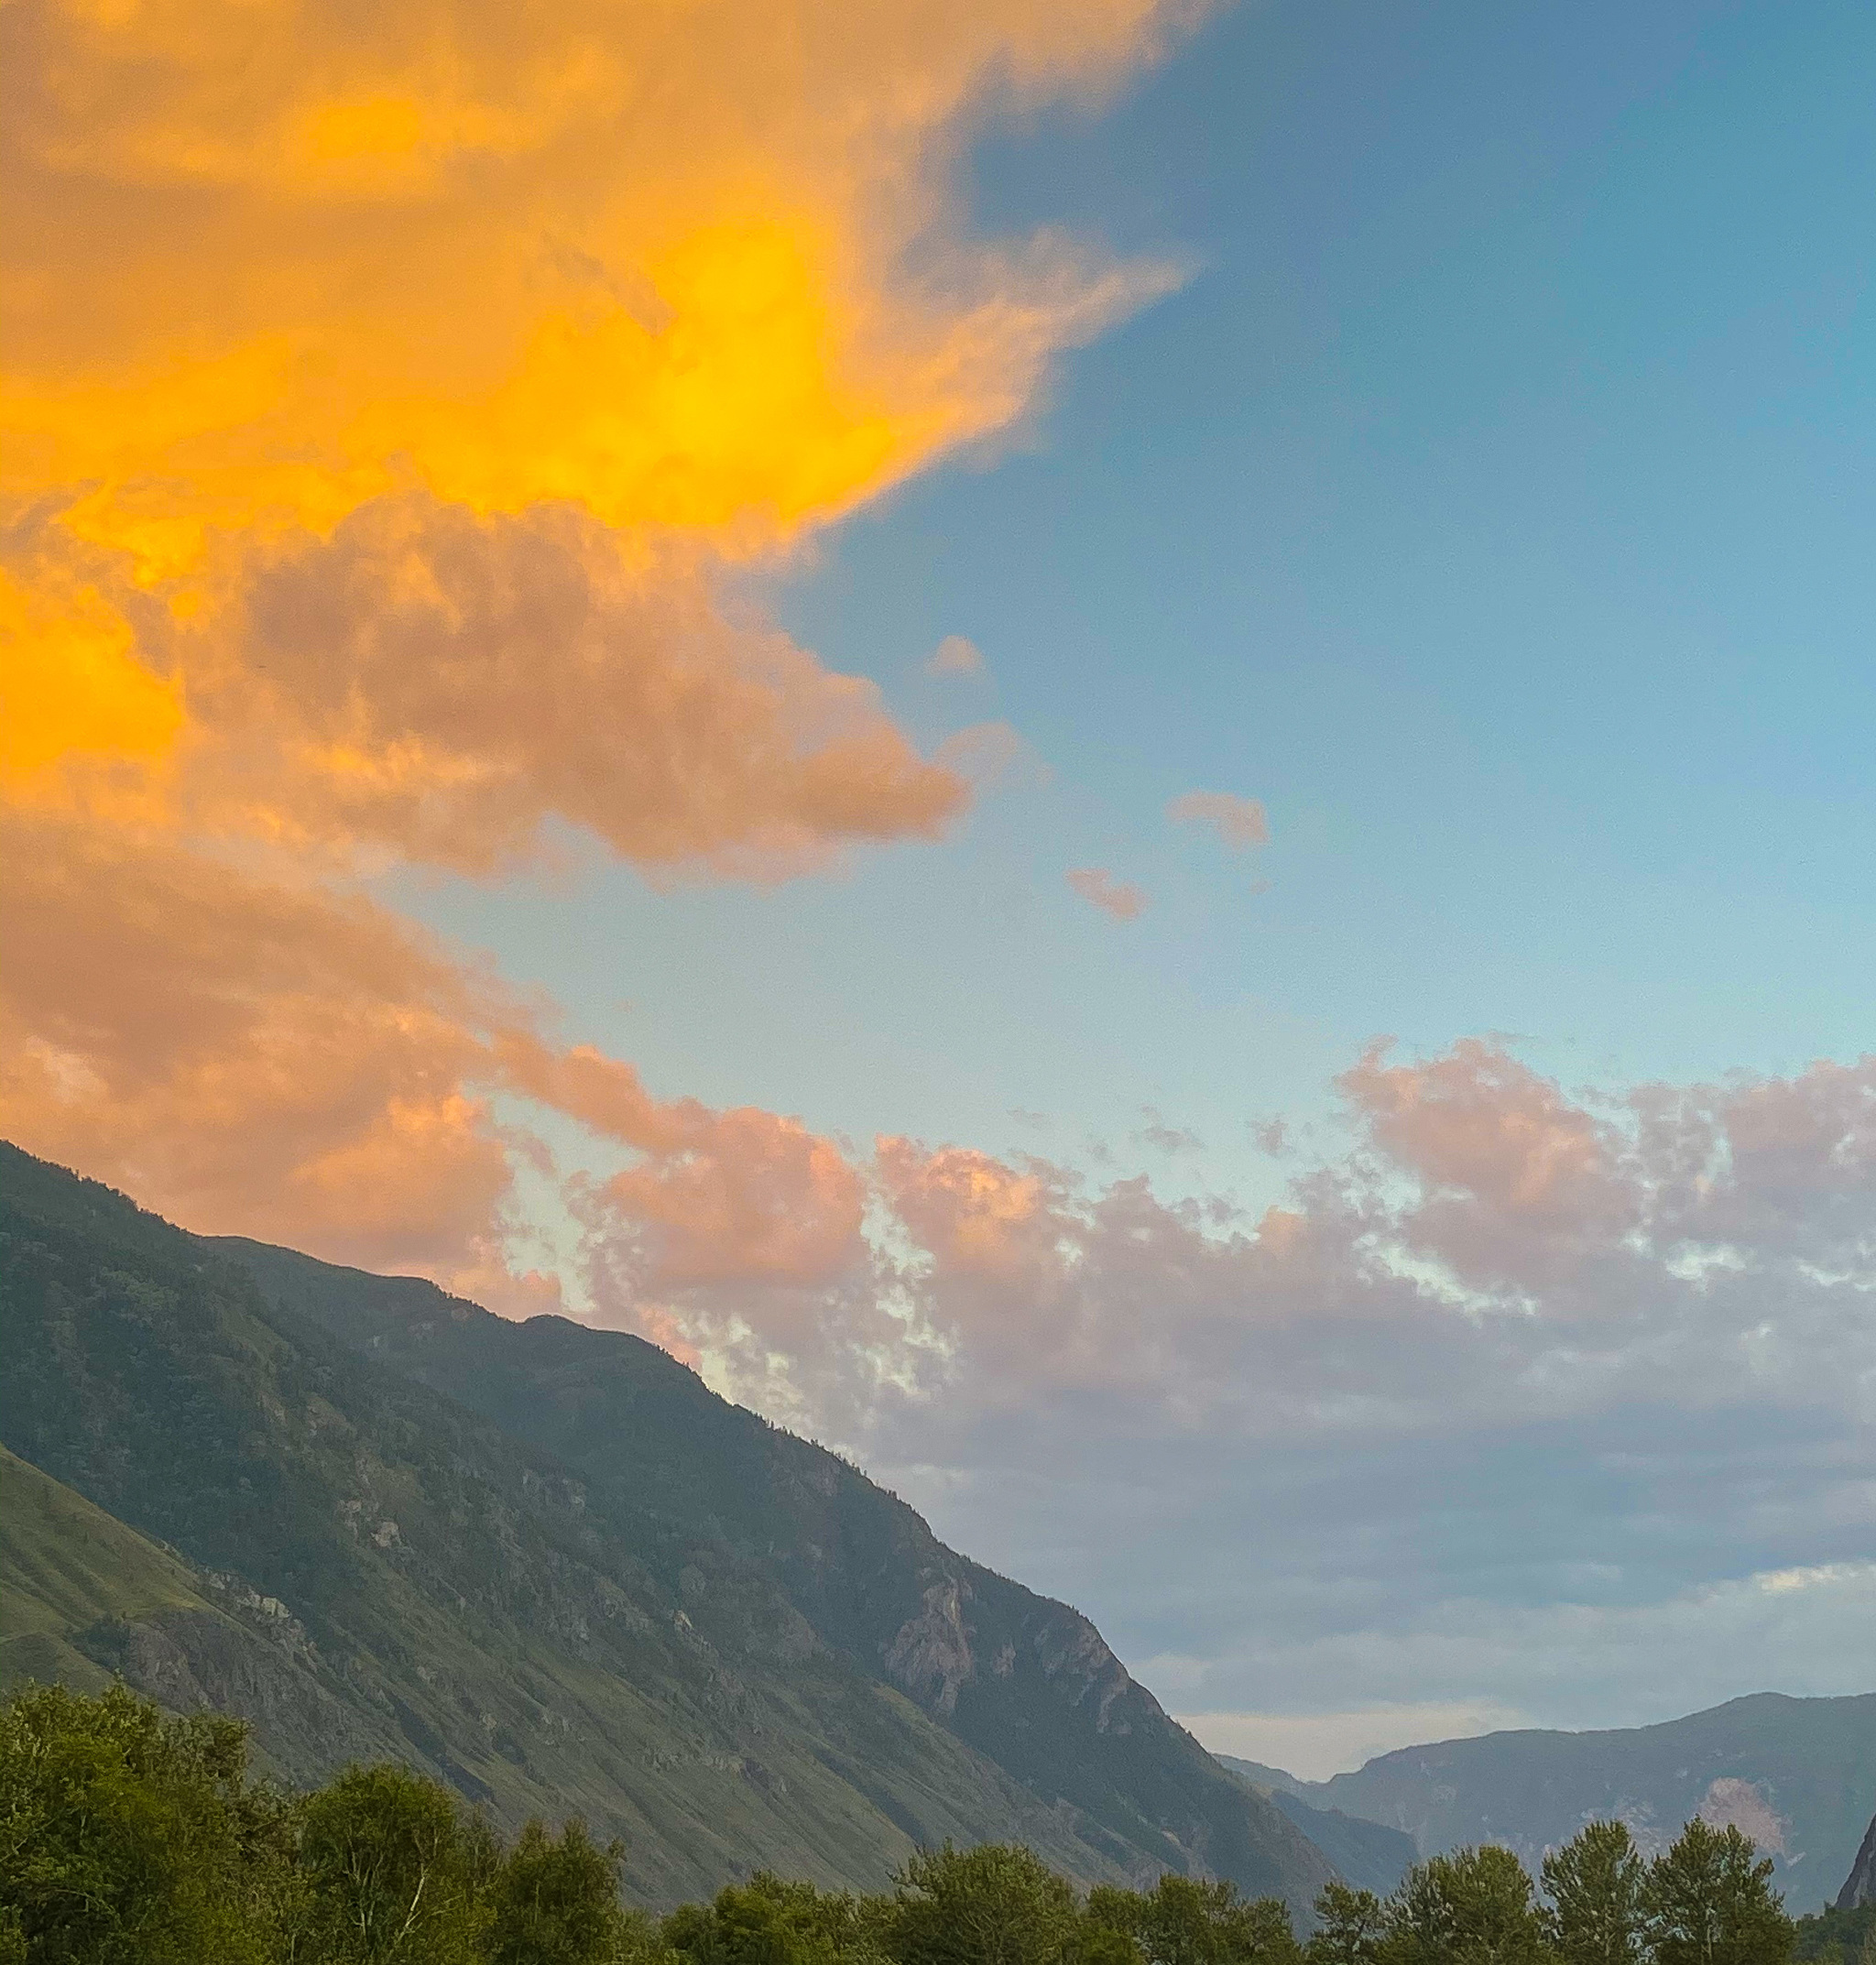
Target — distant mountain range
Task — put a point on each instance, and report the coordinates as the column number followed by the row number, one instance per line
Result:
column 1798, row 1776
column 547, row 1563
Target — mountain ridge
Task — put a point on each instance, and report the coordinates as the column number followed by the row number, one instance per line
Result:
column 1369, row 1855
column 1017, row 1677
column 552, row 1637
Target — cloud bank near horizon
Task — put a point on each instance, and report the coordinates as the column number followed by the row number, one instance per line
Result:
column 1528, row 1396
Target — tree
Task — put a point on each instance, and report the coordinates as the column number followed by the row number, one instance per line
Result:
column 1093, row 1942
column 1352, row 1927
column 996, row 1904
column 1182, row 1921
column 395, row 1873
column 1473, row 1908
column 767, row 1921
column 1708, row 1902
column 127, row 1838
column 555, row 1901
column 1595, row 1883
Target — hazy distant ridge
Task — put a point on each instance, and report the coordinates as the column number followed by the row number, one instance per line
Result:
column 1798, row 1776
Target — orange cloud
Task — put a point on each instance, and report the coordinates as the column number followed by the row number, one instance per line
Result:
column 248, row 1054
column 1121, row 899
column 387, row 393
column 971, row 1211
column 71, row 687
column 270, row 261
column 257, row 1056
column 441, row 683
column 719, row 1197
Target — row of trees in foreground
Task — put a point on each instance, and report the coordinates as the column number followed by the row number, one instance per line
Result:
column 130, row 1838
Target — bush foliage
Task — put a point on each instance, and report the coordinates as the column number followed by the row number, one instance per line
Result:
column 131, row 1837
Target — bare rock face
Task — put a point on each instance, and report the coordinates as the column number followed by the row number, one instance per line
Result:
column 201, row 1660
column 931, row 1656
column 1860, row 1887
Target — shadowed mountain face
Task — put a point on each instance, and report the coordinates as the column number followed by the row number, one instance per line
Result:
column 1366, row 1855
column 720, row 1502
column 548, row 1564
column 1797, row 1775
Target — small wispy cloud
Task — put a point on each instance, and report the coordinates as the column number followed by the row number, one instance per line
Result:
column 1239, row 822
column 955, row 656
column 1121, row 899
column 1165, row 1138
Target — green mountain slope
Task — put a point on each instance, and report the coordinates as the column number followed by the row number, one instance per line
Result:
column 83, row 1595
column 1798, row 1776
column 481, row 1604
column 69, row 1568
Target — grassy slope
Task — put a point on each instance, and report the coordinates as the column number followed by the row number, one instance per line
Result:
column 1798, row 1775
column 83, row 1595
column 717, row 1499
column 68, row 1566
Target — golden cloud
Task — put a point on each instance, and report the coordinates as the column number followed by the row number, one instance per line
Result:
column 386, row 391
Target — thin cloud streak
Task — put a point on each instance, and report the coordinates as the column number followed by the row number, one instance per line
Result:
column 1096, row 885
column 1239, row 822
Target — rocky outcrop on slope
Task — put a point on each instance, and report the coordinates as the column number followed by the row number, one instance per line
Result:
column 1860, row 1888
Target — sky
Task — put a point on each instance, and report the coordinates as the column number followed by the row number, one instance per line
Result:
column 1120, row 750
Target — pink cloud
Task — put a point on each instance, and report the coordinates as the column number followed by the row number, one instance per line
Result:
column 1121, row 899
column 1241, row 823
column 1515, row 1178
column 256, row 1056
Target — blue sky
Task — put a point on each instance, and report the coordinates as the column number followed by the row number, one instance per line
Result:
column 1492, row 503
